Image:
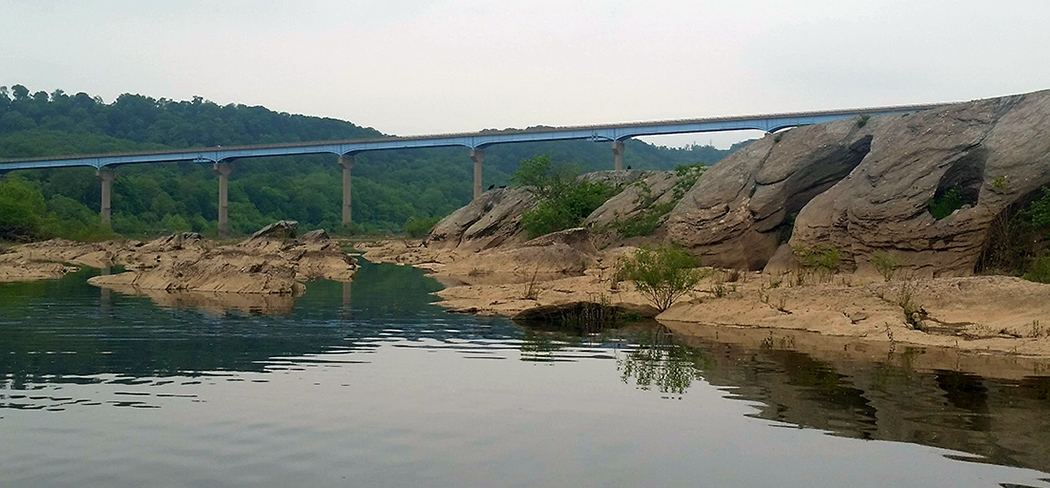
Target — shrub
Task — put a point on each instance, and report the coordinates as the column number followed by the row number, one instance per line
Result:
column 821, row 258
column 863, row 120
column 1001, row 183
column 646, row 221
column 1040, row 270
column 643, row 223
column 417, row 227
column 913, row 311
column 563, row 199
column 1039, row 211
column 686, row 176
column 943, row 206
column 662, row 274
column 885, row 263
column 1017, row 236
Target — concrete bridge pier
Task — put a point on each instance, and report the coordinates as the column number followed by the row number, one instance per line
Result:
column 478, row 156
column 223, row 170
column 347, row 163
column 618, row 149
column 107, row 176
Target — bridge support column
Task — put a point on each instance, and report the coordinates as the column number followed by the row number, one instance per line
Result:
column 618, row 148
column 347, row 163
column 478, row 156
column 107, row 176
column 224, row 170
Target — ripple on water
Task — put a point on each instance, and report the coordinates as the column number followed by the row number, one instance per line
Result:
column 126, row 393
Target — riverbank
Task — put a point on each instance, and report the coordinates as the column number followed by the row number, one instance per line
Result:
column 978, row 314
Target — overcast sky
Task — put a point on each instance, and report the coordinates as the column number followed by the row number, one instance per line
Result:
column 417, row 67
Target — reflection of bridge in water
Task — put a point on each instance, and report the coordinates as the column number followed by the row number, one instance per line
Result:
column 221, row 157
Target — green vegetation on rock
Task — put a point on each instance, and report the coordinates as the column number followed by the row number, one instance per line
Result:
column 943, row 205
column 1019, row 240
column 563, row 199
column 1040, row 270
column 417, row 227
column 885, row 263
column 652, row 215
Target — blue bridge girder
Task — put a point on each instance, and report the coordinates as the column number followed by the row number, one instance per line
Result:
column 475, row 140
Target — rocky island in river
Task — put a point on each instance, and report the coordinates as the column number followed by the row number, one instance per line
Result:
column 263, row 272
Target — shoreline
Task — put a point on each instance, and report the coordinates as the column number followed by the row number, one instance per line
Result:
column 979, row 315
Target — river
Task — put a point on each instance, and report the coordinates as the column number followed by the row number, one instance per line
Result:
column 371, row 384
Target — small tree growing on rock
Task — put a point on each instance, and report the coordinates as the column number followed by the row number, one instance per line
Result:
column 885, row 263
column 662, row 274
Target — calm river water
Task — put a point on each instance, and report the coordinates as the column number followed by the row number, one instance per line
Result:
column 370, row 384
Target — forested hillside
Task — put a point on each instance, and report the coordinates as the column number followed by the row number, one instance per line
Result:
column 390, row 187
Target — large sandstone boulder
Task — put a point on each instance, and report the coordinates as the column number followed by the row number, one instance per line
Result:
column 490, row 220
column 739, row 210
column 634, row 199
column 996, row 152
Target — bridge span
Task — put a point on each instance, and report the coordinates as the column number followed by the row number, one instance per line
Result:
column 222, row 157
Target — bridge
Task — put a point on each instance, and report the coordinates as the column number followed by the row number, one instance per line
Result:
column 222, row 157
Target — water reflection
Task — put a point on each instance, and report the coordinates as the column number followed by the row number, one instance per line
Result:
column 58, row 336
column 658, row 361
column 999, row 421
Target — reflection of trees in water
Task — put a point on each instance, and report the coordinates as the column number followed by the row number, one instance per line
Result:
column 57, row 331
column 539, row 347
column 658, row 362
column 1003, row 421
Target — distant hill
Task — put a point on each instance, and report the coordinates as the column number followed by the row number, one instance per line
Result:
column 389, row 186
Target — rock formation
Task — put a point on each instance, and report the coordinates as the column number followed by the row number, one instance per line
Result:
column 559, row 254
column 995, row 153
column 491, row 220
column 494, row 219
column 740, row 210
column 262, row 264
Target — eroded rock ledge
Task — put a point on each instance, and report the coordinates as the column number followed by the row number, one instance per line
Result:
column 271, row 262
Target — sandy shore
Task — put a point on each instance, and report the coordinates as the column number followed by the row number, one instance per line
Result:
column 971, row 315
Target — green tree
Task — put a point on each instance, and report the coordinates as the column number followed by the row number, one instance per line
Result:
column 563, row 199
column 22, row 211
column 662, row 274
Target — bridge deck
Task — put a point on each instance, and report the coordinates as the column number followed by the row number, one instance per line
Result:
column 473, row 140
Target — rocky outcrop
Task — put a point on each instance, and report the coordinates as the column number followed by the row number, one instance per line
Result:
column 564, row 253
column 490, row 220
column 494, row 219
column 649, row 197
column 995, row 152
column 261, row 264
column 282, row 229
column 740, row 209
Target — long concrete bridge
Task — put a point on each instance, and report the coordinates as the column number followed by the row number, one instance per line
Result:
column 221, row 157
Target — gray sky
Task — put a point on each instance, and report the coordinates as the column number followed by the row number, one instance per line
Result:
column 418, row 67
